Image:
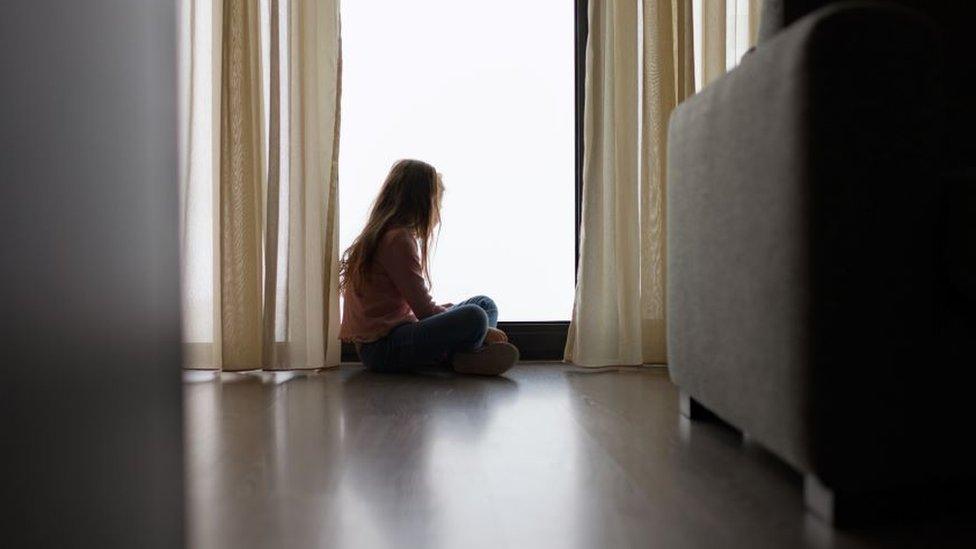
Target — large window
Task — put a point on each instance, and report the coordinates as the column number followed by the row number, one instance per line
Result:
column 484, row 92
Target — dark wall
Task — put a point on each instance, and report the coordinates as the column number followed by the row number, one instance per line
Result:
column 90, row 403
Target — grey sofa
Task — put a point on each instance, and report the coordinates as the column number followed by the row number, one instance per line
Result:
column 821, row 245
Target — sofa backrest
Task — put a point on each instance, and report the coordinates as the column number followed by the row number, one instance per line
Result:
column 956, row 20
column 778, row 14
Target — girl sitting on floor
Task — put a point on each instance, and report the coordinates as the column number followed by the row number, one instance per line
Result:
column 388, row 311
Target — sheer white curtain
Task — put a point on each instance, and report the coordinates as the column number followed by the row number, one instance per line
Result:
column 640, row 63
column 259, row 116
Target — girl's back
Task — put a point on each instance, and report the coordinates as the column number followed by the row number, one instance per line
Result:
column 394, row 292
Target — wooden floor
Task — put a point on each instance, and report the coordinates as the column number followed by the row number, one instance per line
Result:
column 548, row 456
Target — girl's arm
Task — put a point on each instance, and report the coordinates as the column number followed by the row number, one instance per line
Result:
column 398, row 256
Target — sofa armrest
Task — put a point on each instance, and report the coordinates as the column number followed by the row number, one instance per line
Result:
column 801, row 219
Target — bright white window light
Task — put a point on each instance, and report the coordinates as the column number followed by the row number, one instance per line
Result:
column 484, row 92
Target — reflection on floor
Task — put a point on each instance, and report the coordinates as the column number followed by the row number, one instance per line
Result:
column 548, row 456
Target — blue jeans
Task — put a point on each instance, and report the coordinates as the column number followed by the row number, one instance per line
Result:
column 433, row 340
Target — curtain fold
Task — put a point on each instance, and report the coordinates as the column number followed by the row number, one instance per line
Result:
column 303, row 315
column 714, row 26
column 200, row 51
column 725, row 29
column 605, row 326
column 260, row 286
column 668, row 79
column 637, row 71
column 755, row 17
column 240, row 187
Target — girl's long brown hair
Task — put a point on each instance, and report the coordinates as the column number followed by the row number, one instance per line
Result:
column 411, row 198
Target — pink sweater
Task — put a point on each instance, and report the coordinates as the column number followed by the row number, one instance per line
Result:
column 394, row 293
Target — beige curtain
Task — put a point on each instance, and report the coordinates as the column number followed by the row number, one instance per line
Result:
column 725, row 29
column 638, row 68
column 754, row 17
column 668, row 79
column 631, row 87
column 259, row 122
column 713, row 40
